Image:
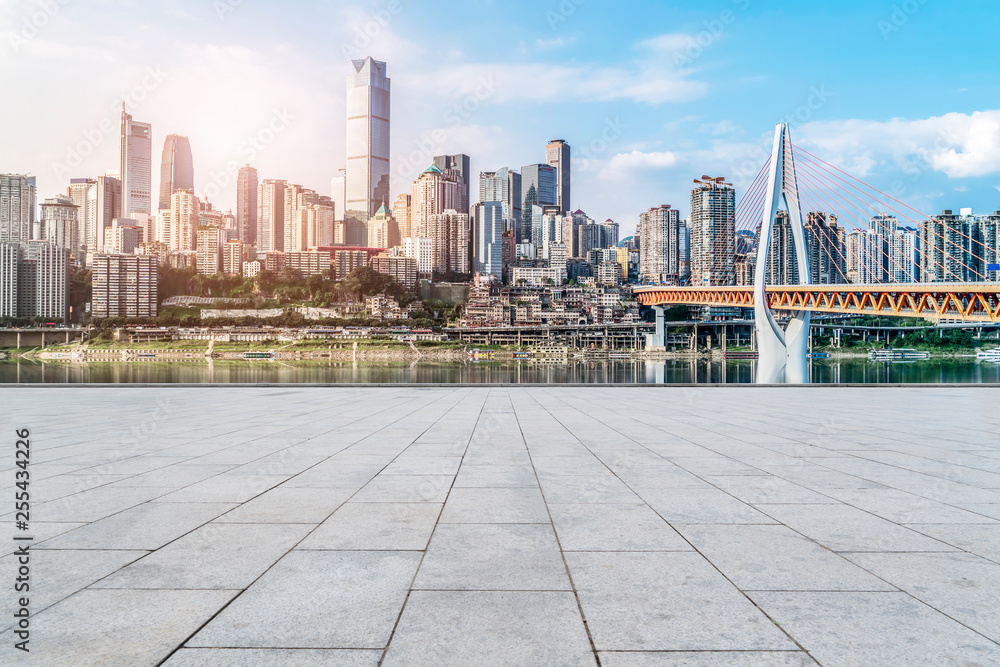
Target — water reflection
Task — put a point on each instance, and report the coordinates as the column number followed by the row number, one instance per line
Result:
column 618, row 371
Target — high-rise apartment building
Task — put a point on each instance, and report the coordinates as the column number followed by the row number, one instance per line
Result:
column 487, row 243
column 713, row 233
column 60, row 224
column 538, row 189
column 659, row 233
column 271, row 215
column 43, row 281
column 433, row 193
column 450, row 231
column 135, row 166
column 210, row 242
column 368, row 112
column 246, row 204
column 459, row 164
column 421, row 250
column 10, row 260
column 346, row 261
column 338, row 194
column 181, row 226
column 401, row 269
column 504, row 186
column 557, row 155
column 233, row 255
column 825, row 249
column 401, row 212
column 782, row 261
column 17, row 207
column 382, row 230
column 298, row 200
column 124, row 286
column 176, row 168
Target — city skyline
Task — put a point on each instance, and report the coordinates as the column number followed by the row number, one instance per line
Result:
column 668, row 119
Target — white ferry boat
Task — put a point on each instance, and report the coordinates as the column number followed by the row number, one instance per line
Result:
column 989, row 355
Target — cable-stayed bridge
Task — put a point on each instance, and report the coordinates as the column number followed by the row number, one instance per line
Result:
column 849, row 256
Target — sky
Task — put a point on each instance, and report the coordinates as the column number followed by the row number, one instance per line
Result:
column 904, row 94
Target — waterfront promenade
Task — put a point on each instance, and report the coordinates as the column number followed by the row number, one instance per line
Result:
column 625, row 526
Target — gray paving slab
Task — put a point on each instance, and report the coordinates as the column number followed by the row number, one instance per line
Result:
column 318, row 599
column 376, row 527
column 875, row 629
column 605, row 527
column 667, row 601
column 289, row 505
column 776, row 558
column 449, row 628
column 405, row 489
column 705, row 659
column 116, row 627
column 701, row 505
column 264, row 657
column 493, row 557
column 495, row 505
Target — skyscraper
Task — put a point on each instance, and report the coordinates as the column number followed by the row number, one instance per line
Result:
column 557, row 155
column 246, row 205
column 271, row 215
column 401, row 212
column 433, row 193
column 368, row 105
column 659, row 235
column 460, row 164
column 538, row 188
column 338, row 193
column 135, row 166
column 504, row 186
column 60, row 224
column 487, row 228
column 184, row 219
column 176, row 168
column 17, row 207
column 713, row 232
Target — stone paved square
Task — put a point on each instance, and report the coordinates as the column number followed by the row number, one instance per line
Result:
column 613, row 526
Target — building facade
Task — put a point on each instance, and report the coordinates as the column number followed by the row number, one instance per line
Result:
column 557, row 155
column 659, row 233
column 713, row 233
column 246, row 204
column 124, row 286
column 176, row 168
column 135, row 166
column 368, row 117
column 17, row 207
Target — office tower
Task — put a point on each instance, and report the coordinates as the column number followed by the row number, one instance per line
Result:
column 557, row 155
column 368, row 107
column 421, row 250
column 183, row 222
column 210, row 242
column 135, row 166
column 538, row 189
column 59, row 224
column 82, row 192
column 43, row 281
column 460, row 165
column 825, row 249
column 503, row 186
column 10, row 260
column 589, row 237
column 487, row 243
column 450, row 231
column 271, row 215
column 338, row 194
column 125, row 237
column 382, row 230
column 124, row 286
column 659, row 233
column 713, row 232
column 401, row 211
column 17, row 207
column 176, row 168
column 246, row 204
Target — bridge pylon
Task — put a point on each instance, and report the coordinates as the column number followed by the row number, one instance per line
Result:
column 783, row 353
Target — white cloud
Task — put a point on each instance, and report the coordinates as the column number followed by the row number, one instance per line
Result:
column 619, row 166
column 958, row 145
column 554, row 43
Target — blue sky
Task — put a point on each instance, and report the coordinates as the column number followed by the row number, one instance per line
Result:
column 650, row 95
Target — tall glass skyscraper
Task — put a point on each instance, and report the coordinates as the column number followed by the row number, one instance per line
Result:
column 557, row 155
column 538, row 187
column 246, row 204
column 176, row 168
column 367, row 140
column 135, row 166
column 504, row 186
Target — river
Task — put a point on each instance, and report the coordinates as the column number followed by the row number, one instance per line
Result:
column 704, row 371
